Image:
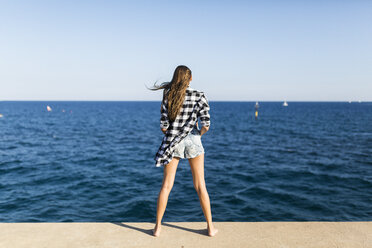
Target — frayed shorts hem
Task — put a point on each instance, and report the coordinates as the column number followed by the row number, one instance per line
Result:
column 188, row 157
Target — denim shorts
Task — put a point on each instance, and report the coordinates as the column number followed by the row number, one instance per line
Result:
column 190, row 147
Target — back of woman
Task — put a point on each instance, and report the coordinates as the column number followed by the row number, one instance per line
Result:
column 195, row 105
column 180, row 109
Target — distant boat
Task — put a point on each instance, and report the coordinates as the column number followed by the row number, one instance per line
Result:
column 1, row 115
column 49, row 108
column 349, row 101
column 359, row 101
column 285, row 104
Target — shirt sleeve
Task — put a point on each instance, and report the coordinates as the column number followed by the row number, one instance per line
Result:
column 164, row 120
column 204, row 111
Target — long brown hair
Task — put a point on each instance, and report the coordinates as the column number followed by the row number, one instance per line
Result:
column 175, row 90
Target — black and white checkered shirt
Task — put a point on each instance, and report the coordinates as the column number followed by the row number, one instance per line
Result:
column 194, row 106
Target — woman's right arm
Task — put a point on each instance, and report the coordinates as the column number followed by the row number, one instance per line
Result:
column 204, row 115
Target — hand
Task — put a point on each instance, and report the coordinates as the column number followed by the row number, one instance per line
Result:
column 203, row 130
column 163, row 130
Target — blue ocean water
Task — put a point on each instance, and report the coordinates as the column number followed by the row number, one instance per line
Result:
column 310, row 161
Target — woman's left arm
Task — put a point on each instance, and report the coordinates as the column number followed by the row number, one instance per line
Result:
column 164, row 120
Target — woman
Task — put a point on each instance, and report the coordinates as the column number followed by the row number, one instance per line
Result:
column 180, row 109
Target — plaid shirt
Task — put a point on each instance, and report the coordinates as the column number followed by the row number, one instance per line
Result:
column 194, row 106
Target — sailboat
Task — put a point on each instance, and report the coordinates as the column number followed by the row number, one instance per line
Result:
column 285, row 104
column 49, row 108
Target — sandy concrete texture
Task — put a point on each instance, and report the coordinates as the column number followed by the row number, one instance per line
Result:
column 187, row 234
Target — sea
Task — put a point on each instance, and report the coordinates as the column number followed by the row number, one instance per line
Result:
column 94, row 162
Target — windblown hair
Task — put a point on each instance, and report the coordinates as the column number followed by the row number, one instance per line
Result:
column 175, row 90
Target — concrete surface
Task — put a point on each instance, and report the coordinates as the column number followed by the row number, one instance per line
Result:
column 187, row 234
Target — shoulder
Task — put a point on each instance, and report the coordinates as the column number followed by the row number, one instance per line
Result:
column 194, row 92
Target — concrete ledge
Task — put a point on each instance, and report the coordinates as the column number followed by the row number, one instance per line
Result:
column 187, row 234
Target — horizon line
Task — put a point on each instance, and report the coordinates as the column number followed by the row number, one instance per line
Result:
column 355, row 101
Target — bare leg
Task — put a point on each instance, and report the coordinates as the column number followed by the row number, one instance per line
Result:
column 197, row 169
column 168, row 181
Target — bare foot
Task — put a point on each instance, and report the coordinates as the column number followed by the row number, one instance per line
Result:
column 212, row 231
column 156, row 231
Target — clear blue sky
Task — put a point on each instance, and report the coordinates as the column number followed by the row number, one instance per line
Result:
column 237, row 50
